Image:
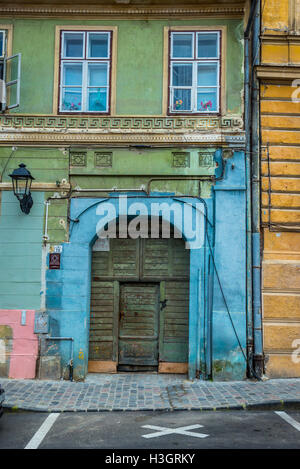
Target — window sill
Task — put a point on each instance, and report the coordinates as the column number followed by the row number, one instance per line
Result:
column 197, row 114
column 79, row 113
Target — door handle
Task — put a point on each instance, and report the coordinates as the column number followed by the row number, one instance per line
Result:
column 163, row 304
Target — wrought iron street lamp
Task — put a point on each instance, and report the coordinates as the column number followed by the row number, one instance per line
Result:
column 21, row 180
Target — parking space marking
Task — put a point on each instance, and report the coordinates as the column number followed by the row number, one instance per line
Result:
column 289, row 419
column 161, row 431
column 38, row 437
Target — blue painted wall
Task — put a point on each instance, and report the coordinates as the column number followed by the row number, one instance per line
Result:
column 230, row 259
column 68, row 289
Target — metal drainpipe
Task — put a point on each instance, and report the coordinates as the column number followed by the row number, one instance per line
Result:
column 248, row 208
column 199, row 178
column 258, row 359
column 254, row 320
column 46, row 237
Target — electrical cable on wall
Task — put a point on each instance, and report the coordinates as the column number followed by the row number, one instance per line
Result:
column 7, row 161
column 228, row 312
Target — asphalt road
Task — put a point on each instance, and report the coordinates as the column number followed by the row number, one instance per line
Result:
column 126, row 430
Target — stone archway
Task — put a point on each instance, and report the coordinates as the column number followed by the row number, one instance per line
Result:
column 77, row 278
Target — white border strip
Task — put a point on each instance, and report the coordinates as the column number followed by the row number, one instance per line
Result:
column 289, row 419
column 38, row 437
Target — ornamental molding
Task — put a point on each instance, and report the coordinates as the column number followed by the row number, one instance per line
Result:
column 103, row 159
column 104, row 125
column 278, row 72
column 125, row 12
column 120, row 130
column 181, row 159
column 63, row 138
column 78, row 158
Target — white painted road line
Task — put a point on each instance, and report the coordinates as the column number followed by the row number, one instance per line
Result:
column 161, row 431
column 38, row 437
column 289, row 419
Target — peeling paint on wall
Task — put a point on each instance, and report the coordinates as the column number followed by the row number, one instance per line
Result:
column 18, row 344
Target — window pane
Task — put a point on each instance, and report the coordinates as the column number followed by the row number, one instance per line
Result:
column 182, row 100
column 1, row 43
column 182, row 74
column 207, row 74
column 98, row 45
column 73, row 44
column 72, row 74
column 71, row 99
column 97, row 99
column 208, row 45
column 207, row 100
column 182, row 45
column 98, row 74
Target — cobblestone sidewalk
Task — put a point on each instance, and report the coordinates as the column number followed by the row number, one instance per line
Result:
column 132, row 391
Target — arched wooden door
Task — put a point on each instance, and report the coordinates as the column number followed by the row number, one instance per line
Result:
column 139, row 305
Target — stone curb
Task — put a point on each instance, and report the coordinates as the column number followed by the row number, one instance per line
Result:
column 266, row 405
column 275, row 405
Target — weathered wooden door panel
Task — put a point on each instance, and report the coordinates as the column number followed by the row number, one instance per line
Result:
column 125, row 258
column 101, row 321
column 175, row 322
column 121, row 261
column 138, row 328
column 155, row 262
column 125, row 328
column 164, row 258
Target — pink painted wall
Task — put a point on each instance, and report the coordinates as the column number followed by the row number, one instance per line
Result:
column 25, row 343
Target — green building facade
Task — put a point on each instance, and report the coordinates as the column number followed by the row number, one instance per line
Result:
column 143, row 101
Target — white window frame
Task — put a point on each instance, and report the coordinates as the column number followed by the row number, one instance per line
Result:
column 108, row 33
column 85, row 61
column 195, row 61
column 75, row 33
column 2, row 53
column 183, row 33
column 9, row 80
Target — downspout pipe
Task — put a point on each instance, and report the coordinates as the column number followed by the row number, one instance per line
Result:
column 253, row 8
column 254, row 319
column 258, row 357
column 248, row 205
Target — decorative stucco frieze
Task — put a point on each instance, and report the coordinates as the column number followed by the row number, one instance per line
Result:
column 181, row 159
column 206, row 158
column 103, row 11
column 78, row 158
column 103, row 159
column 123, row 139
column 150, row 130
column 121, row 124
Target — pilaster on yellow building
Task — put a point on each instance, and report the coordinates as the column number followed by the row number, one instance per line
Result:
column 279, row 76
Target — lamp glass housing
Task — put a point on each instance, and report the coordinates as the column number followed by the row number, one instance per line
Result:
column 21, row 186
column 21, row 181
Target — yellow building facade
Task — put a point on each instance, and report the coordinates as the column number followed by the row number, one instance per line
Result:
column 279, row 78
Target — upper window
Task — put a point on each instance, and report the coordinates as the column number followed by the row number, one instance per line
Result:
column 195, row 72
column 85, row 64
column 2, row 53
column 2, row 43
column 10, row 72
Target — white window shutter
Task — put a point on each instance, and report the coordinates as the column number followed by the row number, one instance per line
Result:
column 14, row 82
